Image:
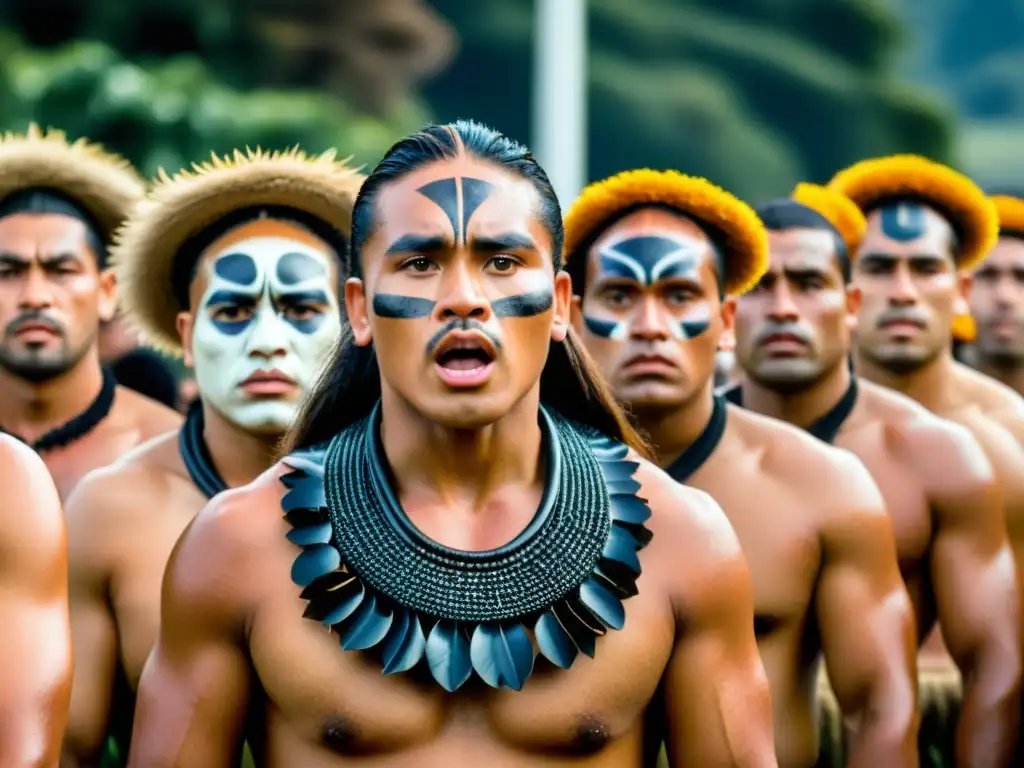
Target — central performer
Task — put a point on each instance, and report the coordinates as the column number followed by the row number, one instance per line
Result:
column 465, row 510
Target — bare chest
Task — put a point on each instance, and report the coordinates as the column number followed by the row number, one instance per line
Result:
column 1007, row 458
column 903, row 490
column 321, row 696
column 136, row 584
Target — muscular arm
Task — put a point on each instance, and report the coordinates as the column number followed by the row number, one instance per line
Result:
column 93, row 629
column 974, row 581
column 195, row 686
column 35, row 666
column 866, row 620
column 717, row 701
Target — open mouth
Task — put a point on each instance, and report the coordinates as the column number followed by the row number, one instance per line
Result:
column 464, row 359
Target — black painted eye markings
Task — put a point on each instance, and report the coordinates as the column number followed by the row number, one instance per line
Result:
column 238, row 308
column 647, row 259
column 459, row 198
column 903, row 222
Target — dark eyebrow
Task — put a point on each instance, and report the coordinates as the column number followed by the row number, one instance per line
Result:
column 509, row 241
column 803, row 272
column 13, row 260
column 418, row 244
column 313, row 297
column 45, row 261
column 231, row 297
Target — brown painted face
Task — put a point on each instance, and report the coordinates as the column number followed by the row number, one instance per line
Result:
column 459, row 295
column 906, row 271
column 794, row 325
column 52, row 294
column 650, row 312
column 997, row 303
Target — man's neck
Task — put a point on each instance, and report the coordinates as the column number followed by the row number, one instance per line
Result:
column 239, row 456
column 1012, row 375
column 803, row 408
column 461, row 467
column 30, row 409
column 672, row 432
column 930, row 385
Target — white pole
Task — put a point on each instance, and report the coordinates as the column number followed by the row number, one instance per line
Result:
column 560, row 94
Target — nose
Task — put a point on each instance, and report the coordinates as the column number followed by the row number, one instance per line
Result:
column 904, row 292
column 36, row 293
column 648, row 323
column 267, row 336
column 461, row 295
column 783, row 308
column 1007, row 292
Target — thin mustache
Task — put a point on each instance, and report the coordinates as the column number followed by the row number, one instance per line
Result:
column 35, row 318
column 787, row 329
column 461, row 324
column 901, row 317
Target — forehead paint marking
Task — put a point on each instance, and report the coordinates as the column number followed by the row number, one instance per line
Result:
column 445, row 194
column 903, row 222
column 401, row 307
column 524, row 305
column 649, row 258
column 295, row 268
column 237, row 268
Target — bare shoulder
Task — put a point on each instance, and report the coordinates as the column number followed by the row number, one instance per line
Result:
column 994, row 398
column 150, row 417
column 112, row 499
column 943, row 449
column 694, row 545
column 234, row 534
column 31, row 518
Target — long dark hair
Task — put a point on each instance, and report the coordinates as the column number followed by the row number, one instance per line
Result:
column 349, row 385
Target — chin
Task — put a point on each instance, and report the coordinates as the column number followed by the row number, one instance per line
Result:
column 652, row 396
column 264, row 418
column 465, row 410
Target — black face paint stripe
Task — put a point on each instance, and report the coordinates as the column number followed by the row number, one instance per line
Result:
column 474, row 192
column 239, row 268
column 445, row 194
column 524, row 305
column 295, row 268
column 309, row 297
column 599, row 327
column 231, row 297
column 401, row 307
column 693, row 328
column 649, row 258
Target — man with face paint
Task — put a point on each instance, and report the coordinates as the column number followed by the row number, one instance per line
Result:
column 997, row 300
column 35, row 666
column 651, row 255
column 237, row 267
column 59, row 204
column 794, row 335
column 464, row 512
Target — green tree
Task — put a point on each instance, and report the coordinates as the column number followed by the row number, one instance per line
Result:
column 166, row 84
column 754, row 94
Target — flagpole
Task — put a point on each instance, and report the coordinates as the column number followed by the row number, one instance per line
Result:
column 560, row 94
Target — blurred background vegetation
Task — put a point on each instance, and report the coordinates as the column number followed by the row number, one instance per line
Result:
column 755, row 94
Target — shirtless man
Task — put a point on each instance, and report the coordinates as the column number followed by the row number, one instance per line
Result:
column 651, row 255
column 997, row 300
column 238, row 269
column 793, row 337
column 35, row 666
column 445, row 514
column 926, row 223
column 59, row 204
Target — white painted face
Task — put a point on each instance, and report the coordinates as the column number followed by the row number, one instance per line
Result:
column 266, row 322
